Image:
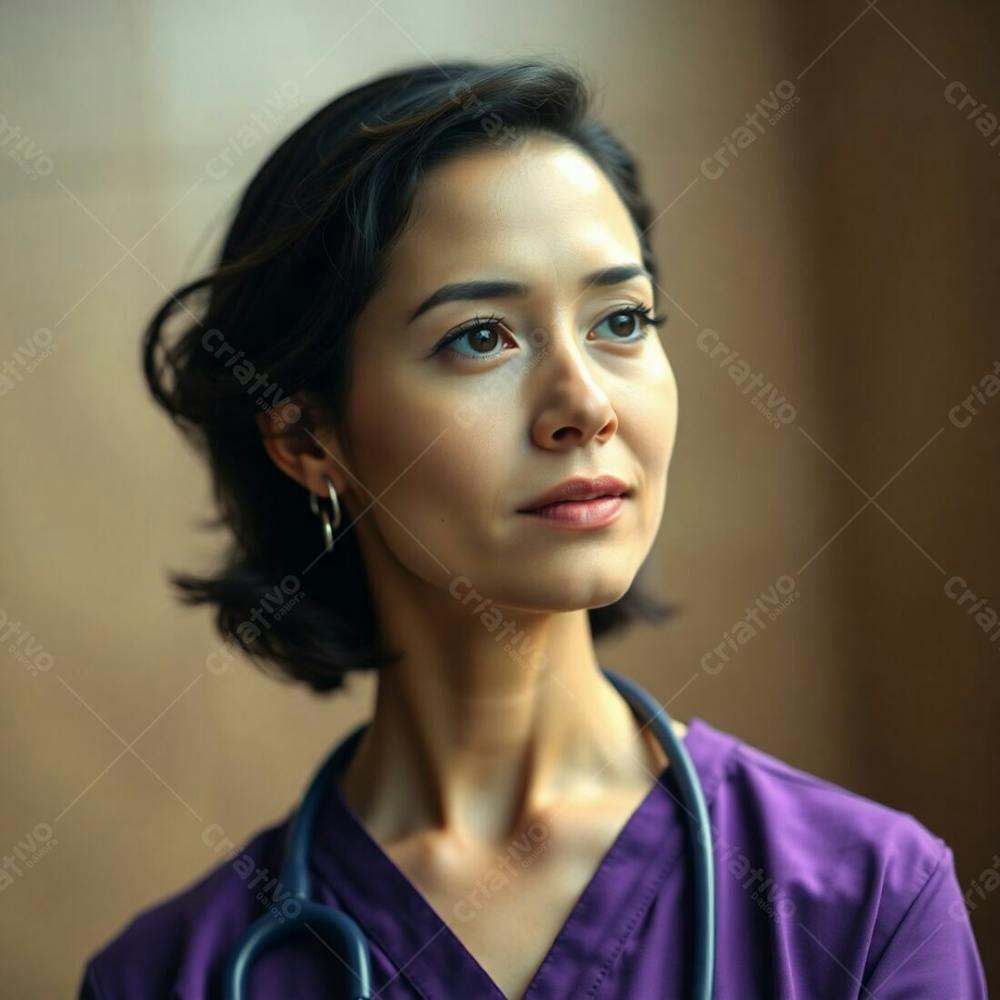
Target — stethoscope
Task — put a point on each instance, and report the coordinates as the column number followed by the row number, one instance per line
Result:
column 346, row 937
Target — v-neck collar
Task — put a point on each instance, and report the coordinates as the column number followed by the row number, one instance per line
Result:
column 396, row 917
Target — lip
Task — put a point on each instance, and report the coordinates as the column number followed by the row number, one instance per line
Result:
column 578, row 488
column 577, row 514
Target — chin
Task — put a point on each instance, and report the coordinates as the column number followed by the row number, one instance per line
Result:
column 577, row 593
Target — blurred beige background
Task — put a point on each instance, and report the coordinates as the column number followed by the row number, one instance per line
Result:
column 849, row 254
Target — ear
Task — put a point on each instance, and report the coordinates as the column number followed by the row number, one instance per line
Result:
column 304, row 445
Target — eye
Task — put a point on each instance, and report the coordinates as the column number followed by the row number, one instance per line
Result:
column 481, row 335
column 631, row 320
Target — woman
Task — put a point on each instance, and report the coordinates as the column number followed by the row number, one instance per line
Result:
column 436, row 303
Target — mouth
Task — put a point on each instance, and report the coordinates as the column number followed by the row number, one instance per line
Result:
column 581, row 502
column 579, row 488
column 593, row 513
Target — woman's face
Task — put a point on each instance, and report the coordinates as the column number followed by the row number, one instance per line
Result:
column 454, row 438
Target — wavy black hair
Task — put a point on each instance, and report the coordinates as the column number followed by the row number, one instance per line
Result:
column 305, row 251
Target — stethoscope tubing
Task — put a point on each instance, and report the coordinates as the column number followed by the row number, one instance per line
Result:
column 347, row 939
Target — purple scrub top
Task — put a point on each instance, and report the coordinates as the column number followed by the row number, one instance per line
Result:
column 819, row 893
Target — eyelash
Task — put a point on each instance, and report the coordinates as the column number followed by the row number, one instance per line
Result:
column 644, row 312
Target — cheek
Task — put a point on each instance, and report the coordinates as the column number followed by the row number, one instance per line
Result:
column 436, row 465
column 648, row 418
column 648, row 423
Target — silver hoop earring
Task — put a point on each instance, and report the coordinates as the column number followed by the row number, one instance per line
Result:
column 330, row 524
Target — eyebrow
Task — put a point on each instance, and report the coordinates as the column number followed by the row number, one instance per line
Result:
column 496, row 288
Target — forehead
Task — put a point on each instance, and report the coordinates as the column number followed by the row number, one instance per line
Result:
column 541, row 209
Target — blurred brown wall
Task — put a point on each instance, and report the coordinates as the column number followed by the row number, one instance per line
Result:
column 904, row 250
column 846, row 253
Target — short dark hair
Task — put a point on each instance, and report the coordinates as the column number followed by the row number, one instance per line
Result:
column 305, row 251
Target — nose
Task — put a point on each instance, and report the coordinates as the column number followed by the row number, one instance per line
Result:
column 573, row 407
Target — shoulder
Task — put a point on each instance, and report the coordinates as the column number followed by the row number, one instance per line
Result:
column 863, row 871
column 817, row 819
column 180, row 942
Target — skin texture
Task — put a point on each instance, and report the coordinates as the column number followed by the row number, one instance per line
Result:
column 471, row 743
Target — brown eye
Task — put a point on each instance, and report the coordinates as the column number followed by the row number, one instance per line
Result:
column 624, row 324
column 483, row 339
column 479, row 339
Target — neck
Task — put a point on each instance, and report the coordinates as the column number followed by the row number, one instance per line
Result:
column 470, row 739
